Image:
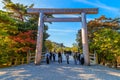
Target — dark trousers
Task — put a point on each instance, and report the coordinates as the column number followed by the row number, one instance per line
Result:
column 53, row 58
column 82, row 61
column 79, row 61
column 75, row 60
column 47, row 60
column 59, row 59
column 67, row 60
column 50, row 58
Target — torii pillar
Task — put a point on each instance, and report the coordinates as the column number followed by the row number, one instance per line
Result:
column 39, row 38
column 85, row 39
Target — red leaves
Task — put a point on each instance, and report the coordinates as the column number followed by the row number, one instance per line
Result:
column 25, row 37
column 25, row 40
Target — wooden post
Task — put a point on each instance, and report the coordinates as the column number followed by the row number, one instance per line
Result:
column 23, row 60
column 85, row 39
column 16, row 61
column 28, row 58
column 39, row 38
column 96, row 58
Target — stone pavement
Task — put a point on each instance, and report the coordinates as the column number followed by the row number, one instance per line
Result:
column 55, row 71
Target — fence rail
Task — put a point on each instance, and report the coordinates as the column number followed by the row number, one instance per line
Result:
column 93, row 59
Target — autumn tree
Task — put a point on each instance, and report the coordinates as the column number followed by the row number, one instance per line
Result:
column 49, row 45
column 18, row 30
column 75, row 48
column 7, row 45
column 97, row 25
column 106, row 44
column 79, row 41
column 17, row 10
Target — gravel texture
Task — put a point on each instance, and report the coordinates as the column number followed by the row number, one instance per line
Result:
column 55, row 71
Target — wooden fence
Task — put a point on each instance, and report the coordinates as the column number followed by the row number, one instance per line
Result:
column 93, row 59
column 13, row 61
column 31, row 57
column 118, row 62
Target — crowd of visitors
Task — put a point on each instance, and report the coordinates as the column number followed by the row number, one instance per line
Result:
column 52, row 56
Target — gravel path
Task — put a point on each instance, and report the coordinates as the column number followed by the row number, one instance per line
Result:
column 55, row 71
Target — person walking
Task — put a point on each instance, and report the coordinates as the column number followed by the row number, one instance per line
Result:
column 75, row 57
column 78, row 58
column 47, row 57
column 67, row 57
column 54, row 55
column 51, row 55
column 59, row 57
column 82, row 59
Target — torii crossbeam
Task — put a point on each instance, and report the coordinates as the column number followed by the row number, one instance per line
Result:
column 43, row 18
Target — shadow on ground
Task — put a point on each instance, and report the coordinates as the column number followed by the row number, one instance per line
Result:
column 55, row 71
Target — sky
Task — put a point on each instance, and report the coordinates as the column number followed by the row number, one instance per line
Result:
column 65, row 32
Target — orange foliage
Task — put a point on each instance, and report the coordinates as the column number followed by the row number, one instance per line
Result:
column 24, row 40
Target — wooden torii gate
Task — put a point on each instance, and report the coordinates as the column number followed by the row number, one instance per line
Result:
column 43, row 18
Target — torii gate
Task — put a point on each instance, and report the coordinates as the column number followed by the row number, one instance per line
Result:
column 43, row 18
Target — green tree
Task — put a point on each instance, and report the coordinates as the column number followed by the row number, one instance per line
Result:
column 106, row 44
column 17, row 10
column 7, row 45
column 79, row 41
column 18, row 30
column 74, row 48
column 99, row 37
column 49, row 45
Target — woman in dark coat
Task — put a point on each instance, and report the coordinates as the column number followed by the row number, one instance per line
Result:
column 82, row 59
